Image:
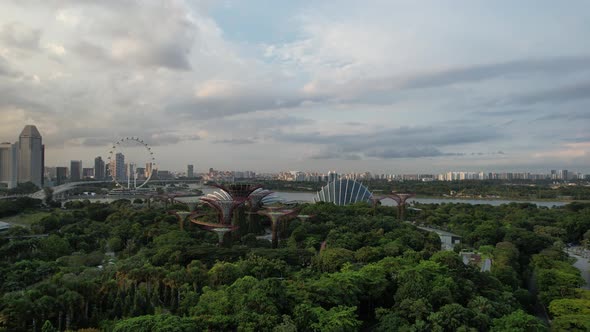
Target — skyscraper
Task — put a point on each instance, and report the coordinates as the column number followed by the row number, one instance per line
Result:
column 61, row 175
column 8, row 164
column 30, row 156
column 190, row 171
column 148, row 169
column 75, row 170
column 118, row 169
column 88, row 173
column 99, row 168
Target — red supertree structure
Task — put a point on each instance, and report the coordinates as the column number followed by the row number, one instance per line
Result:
column 225, row 204
column 400, row 199
column 181, row 215
column 238, row 191
column 256, row 198
column 275, row 214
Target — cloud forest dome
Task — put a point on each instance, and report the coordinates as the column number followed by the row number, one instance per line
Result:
column 343, row 192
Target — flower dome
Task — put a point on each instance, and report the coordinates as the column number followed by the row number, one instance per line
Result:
column 343, row 192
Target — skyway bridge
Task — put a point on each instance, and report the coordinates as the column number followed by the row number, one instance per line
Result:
column 60, row 191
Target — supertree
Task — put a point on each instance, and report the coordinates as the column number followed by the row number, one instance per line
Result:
column 400, row 199
column 219, row 229
column 275, row 214
column 182, row 216
column 238, row 191
column 225, row 205
column 256, row 200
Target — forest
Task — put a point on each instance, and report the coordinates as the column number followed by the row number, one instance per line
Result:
column 126, row 267
column 502, row 189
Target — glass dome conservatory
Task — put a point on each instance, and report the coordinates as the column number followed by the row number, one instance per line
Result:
column 343, row 192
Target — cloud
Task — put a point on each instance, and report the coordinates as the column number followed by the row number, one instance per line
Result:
column 235, row 141
column 565, row 115
column 437, row 78
column 223, row 99
column 562, row 94
column 403, row 142
column 7, row 70
column 338, row 155
column 123, row 33
column 153, row 139
column 568, row 151
column 19, row 36
column 419, row 152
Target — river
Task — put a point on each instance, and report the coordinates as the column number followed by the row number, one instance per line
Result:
column 582, row 263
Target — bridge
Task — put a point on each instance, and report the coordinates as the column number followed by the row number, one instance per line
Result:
column 59, row 191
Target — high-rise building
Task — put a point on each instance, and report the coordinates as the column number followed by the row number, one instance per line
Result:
column 99, row 168
column 190, row 171
column 88, row 173
column 118, row 169
column 149, row 169
column 61, row 175
column 563, row 174
column 332, row 176
column 75, row 170
column 8, row 164
column 31, row 152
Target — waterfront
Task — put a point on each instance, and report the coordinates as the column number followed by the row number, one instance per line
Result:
column 582, row 257
column 309, row 196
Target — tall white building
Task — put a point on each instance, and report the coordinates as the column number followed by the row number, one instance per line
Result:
column 9, row 164
column 30, row 156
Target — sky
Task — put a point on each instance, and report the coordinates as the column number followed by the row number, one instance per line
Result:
column 384, row 86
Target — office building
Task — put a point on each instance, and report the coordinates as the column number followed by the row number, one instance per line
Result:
column 88, row 173
column 31, row 153
column 99, row 168
column 61, row 175
column 8, row 164
column 118, row 169
column 190, row 171
column 75, row 170
column 149, row 169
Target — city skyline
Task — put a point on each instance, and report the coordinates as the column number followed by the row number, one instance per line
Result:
column 391, row 87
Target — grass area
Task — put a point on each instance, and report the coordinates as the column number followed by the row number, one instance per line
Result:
column 25, row 218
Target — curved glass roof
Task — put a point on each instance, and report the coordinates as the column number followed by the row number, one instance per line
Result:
column 343, row 192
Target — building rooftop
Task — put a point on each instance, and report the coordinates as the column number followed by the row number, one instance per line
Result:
column 30, row 131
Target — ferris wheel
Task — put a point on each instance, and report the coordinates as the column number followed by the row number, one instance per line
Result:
column 125, row 174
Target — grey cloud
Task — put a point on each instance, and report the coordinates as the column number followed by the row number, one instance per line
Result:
column 331, row 154
column 551, row 65
column 235, row 141
column 581, row 139
column 578, row 91
column 417, row 152
column 509, row 112
column 565, row 115
column 7, row 70
column 403, row 142
column 20, row 36
column 258, row 123
column 366, row 89
column 211, row 108
column 90, row 51
column 125, row 33
column 438, row 136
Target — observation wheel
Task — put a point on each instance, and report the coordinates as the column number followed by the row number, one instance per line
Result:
column 129, row 172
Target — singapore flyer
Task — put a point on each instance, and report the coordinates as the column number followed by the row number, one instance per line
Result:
column 131, row 163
